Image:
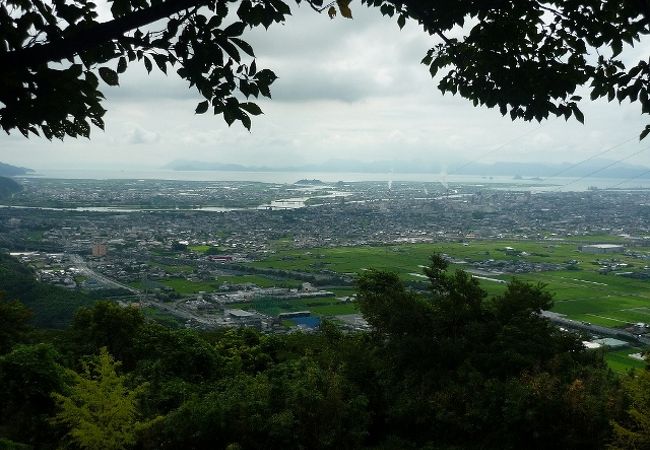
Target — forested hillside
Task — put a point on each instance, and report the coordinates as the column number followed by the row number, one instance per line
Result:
column 451, row 369
column 8, row 187
column 52, row 306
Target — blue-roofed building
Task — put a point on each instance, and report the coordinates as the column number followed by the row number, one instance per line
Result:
column 307, row 322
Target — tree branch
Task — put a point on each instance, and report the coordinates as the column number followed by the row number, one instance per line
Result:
column 320, row 9
column 91, row 37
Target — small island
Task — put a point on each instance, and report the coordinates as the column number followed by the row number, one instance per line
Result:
column 309, row 182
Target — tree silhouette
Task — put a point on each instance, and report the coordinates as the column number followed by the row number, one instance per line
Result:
column 529, row 58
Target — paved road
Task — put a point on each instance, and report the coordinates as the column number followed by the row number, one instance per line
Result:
column 79, row 262
column 595, row 329
column 87, row 271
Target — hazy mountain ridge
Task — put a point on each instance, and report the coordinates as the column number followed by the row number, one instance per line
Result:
column 601, row 168
column 7, row 170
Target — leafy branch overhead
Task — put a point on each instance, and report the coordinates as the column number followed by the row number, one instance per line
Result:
column 531, row 59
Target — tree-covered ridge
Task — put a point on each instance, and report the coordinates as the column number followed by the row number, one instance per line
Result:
column 448, row 369
column 529, row 58
column 52, row 306
column 8, row 187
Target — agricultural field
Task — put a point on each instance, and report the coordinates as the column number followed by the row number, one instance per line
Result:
column 621, row 362
column 260, row 280
column 188, row 287
column 607, row 300
column 581, row 293
column 162, row 317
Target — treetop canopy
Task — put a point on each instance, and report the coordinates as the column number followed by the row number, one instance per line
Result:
column 529, row 58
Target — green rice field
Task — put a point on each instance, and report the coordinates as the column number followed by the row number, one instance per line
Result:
column 583, row 294
column 621, row 362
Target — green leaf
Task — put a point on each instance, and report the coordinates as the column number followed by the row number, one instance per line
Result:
column 266, row 76
column 344, row 7
column 246, row 121
column 98, row 409
column 231, row 50
column 264, row 90
column 596, row 92
column 245, row 46
column 611, row 94
column 228, row 116
column 147, row 64
column 387, row 10
column 235, row 29
column 645, row 132
column 76, row 70
column 161, row 62
column 202, row 107
column 99, row 123
column 617, row 47
column 251, row 108
column 244, row 87
column 109, row 76
column 578, row 114
column 401, row 21
column 121, row 65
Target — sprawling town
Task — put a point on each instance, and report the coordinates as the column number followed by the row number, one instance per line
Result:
column 215, row 254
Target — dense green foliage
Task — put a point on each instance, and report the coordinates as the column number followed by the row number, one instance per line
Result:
column 447, row 369
column 29, row 374
column 52, row 306
column 492, row 372
column 14, row 323
column 526, row 57
column 99, row 410
column 633, row 431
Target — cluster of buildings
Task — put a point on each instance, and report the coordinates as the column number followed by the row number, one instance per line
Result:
column 131, row 230
column 369, row 213
column 250, row 292
column 501, row 266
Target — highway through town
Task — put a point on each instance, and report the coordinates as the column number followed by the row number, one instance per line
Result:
column 83, row 268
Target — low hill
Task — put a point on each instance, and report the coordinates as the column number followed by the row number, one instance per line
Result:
column 52, row 306
column 8, row 187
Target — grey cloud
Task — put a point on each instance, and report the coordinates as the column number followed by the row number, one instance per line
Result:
column 139, row 135
column 136, row 85
column 308, row 61
column 347, row 89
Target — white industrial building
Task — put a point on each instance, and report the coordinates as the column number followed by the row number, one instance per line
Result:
column 602, row 248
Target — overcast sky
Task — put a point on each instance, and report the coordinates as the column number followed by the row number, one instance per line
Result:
column 351, row 89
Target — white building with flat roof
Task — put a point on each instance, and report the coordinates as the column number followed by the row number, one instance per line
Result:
column 602, row 248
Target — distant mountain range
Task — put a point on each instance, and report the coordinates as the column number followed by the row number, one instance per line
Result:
column 7, row 170
column 600, row 168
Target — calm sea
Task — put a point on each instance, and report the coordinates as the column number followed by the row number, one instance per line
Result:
column 557, row 183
